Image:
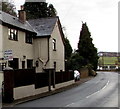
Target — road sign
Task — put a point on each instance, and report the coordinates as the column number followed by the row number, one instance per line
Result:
column 8, row 55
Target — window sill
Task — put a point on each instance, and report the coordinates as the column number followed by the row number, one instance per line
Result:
column 28, row 43
column 12, row 39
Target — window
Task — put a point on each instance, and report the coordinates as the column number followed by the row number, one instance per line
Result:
column 29, row 63
column 13, row 34
column 28, row 38
column 54, row 44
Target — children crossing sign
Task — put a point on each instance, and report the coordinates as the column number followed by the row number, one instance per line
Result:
column 8, row 55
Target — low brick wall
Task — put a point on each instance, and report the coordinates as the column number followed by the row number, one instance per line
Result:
column 27, row 91
column 84, row 73
column 23, row 83
column 64, row 84
column 24, row 91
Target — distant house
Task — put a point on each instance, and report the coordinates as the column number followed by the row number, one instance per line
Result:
column 108, row 60
column 35, row 43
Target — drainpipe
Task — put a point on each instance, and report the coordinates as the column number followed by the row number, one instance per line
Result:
column 48, row 51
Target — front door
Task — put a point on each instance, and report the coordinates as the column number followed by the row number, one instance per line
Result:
column 14, row 64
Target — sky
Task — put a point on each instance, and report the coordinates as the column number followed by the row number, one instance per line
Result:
column 101, row 17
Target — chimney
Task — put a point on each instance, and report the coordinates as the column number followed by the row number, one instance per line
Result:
column 22, row 14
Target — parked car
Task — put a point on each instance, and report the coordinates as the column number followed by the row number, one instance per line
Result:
column 76, row 75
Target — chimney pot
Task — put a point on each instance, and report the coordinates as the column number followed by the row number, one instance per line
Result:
column 22, row 7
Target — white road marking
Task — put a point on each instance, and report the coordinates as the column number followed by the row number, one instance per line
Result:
column 69, row 104
column 91, row 94
column 105, row 85
column 99, row 90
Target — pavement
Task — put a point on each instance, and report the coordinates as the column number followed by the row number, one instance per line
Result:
column 31, row 98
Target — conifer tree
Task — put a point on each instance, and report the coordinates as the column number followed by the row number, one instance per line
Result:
column 68, row 52
column 39, row 9
column 86, row 48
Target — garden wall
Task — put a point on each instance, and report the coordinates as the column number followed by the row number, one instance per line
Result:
column 84, row 73
column 23, row 83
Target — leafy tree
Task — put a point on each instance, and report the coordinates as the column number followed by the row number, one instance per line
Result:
column 76, row 61
column 8, row 7
column 68, row 52
column 39, row 9
column 86, row 48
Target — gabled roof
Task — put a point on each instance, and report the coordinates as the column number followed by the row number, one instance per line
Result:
column 14, row 21
column 43, row 26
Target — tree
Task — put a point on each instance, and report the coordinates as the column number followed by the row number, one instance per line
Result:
column 68, row 52
column 76, row 61
column 68, row 49
column 51, row 10
column 86, row 48
column 39, row 9
column 8, row 7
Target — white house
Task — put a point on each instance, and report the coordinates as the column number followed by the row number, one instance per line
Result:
column 35, row 43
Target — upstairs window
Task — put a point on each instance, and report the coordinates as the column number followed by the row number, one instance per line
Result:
column 28, row 38
column 54, row 44
column 13, row 34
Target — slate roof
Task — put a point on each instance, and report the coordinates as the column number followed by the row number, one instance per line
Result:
column 14, row 21
column 43, row 26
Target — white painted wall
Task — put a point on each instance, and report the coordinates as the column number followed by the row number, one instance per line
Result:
column 41, row 52
column 19, row 47
column 1, row 41
column 58, row 55
column 22, row 92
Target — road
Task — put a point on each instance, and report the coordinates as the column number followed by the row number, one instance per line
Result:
column 101, row 91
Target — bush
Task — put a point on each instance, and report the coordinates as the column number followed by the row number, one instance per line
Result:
column 90, row 69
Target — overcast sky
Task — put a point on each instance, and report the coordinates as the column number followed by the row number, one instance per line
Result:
column 101, row 17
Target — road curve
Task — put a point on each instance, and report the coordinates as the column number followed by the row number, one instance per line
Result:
column 101, row 91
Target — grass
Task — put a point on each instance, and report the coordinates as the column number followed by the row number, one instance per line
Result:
column 108, row 60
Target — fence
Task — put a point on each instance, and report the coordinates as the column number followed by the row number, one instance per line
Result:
column 41, row 80
column 23, row 77
column 63, row 76
column 16, row 78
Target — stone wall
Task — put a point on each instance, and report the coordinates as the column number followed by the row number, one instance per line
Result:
column 84, row 73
